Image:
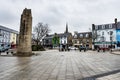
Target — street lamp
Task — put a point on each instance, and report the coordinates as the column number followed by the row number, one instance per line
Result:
column 111, row 32
column 103, row 42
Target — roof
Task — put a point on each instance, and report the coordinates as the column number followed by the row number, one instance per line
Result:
column 113, row 25
column 84, row 34
column 49, row 36
column 59, row 35
column 8, row 29
column 64, row 34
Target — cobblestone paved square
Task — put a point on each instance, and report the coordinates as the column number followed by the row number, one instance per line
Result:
column 55, row 65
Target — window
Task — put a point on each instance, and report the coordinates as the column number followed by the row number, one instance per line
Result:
column 2, row 45
column 110, row 25
column 80, row 41
column 100, row 27
column 64, row 37
column 75, row 41
column 87, row 40
column 87, row 35
column 102, row 33
column 96, row 27
column 75, row 36
column 81, row 35
column 64, row 41
column 103, row 26
column 47, row 41
column 102, row 39
column 111, row 32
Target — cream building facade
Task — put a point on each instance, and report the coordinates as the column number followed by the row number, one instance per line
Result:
column 13, row 38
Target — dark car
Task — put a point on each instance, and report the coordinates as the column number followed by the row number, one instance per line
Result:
column 7, row 47
column 1, row 47
column 82, row 48
column 102, row 48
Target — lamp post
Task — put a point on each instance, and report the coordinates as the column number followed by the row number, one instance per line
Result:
column 111, row 39
column 116, row 25
column 94, row 36
column 103, row 42
column 111, row 43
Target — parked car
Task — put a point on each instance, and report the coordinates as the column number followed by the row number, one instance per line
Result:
column 1, row 47
column 82, row 48
column 72, row 48
column 4, row 47
column 103, row 48
column 7, row 47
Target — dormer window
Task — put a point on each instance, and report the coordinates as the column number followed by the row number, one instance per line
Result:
column 103, row 26
column 87, row 35
column 96, row 27
column 81, row 35
column 75, row 36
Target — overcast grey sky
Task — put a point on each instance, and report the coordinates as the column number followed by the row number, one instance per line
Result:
column 79, row 14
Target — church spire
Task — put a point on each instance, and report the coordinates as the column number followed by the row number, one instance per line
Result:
column 66, row 28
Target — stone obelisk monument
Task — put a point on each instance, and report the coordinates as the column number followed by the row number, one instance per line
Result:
column 24, row 45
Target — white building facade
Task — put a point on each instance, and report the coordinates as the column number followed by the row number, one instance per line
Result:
column 7, row 35
column 104, row 35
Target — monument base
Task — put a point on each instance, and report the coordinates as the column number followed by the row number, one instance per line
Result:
column 24, row 54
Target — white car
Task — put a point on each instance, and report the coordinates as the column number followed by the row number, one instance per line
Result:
column 73, row 48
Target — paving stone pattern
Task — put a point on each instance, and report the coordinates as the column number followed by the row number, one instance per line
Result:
column 55, row 65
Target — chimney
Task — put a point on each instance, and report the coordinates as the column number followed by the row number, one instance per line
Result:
column 115, row 20
column 66, row 31
column 116, row 23
column 93, row 26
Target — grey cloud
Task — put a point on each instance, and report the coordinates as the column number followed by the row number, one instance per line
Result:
column 7, row 17
column 79, row 14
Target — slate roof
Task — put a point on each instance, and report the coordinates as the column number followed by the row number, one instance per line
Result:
column 107, row 26
column 49, row 36
column 59, row 35
column 8, row 29
column 84, row 34
column 64, row 34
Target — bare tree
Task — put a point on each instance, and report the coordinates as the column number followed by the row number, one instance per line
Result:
column 40, row 30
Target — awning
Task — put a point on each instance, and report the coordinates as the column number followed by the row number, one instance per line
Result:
column 98, row 43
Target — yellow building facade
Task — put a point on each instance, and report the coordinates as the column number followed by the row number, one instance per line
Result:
column 13, row 38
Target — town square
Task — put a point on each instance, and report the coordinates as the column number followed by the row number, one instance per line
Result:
column 55, row 65
column 59, row 40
